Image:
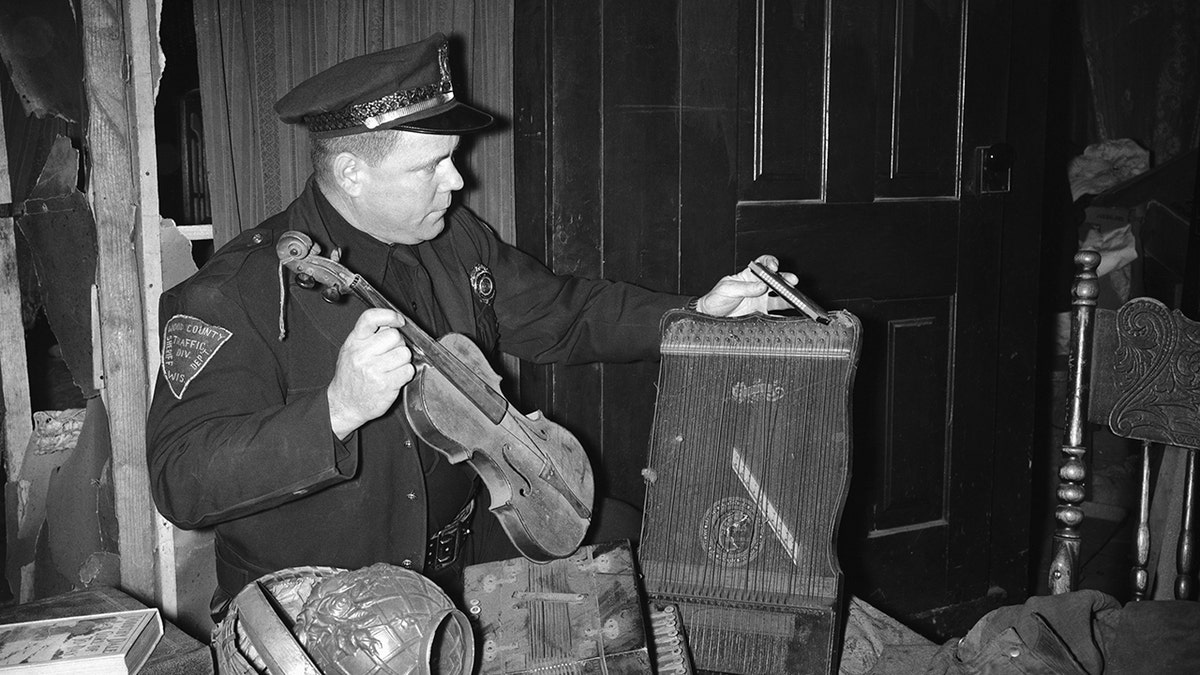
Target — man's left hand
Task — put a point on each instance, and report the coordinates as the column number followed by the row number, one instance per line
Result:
column 744, row 293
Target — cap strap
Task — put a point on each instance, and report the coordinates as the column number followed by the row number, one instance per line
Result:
column 379, row 120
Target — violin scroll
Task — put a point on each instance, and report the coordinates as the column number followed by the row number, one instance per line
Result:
column 293, row 246
column 300, row 254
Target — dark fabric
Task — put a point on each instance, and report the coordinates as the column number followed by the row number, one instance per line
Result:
column 1158, row 636
column 246, row 448
column 1080, row 633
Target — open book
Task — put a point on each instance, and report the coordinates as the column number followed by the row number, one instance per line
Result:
column 100, row 644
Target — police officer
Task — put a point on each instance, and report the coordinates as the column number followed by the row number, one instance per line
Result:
column 274, row 419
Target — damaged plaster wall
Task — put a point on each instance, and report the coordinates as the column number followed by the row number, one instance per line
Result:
column 63, row 506
column 59, row 509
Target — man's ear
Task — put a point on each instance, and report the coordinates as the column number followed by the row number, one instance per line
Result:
column 348, row 173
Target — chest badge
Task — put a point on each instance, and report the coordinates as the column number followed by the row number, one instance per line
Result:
column 483, row 284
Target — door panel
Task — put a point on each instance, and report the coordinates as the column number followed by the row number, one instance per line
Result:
column 905, row 468
column 919, row 97
column 782, row 80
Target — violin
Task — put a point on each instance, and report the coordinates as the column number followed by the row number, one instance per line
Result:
column 537, row 473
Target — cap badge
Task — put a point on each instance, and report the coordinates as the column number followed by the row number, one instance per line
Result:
column 483, row 284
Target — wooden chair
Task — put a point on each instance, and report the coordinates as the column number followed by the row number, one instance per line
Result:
column 1138, row 371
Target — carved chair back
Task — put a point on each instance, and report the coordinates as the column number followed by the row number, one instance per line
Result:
column 1138, row 371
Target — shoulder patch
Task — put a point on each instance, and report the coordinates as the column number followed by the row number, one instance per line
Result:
column 188, row 345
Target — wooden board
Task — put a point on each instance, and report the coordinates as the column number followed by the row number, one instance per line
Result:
column 16, row 416
column 115, row 197
column 16, row 420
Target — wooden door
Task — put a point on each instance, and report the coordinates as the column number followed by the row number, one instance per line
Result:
column 670, row 143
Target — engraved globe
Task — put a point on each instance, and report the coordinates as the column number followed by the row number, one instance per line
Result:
column 384, row 620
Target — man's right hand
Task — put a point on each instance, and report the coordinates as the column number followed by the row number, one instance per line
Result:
column 373, row 364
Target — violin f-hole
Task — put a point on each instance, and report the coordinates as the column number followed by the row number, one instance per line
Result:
column 504, row 452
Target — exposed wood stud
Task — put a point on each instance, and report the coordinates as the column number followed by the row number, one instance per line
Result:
column 114, row 192
column 16, row 420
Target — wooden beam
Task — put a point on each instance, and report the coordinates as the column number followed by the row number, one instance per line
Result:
column 112, row 142
column 17, row 418
column 143, row 18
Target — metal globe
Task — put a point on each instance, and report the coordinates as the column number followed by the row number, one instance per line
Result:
column 384, row 620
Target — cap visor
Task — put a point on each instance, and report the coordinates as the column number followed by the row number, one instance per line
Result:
column 459, row 119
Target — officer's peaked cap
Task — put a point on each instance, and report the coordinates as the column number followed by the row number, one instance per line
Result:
column 406, row 87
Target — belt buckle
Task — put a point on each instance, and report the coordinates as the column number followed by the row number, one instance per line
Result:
column 445, row 545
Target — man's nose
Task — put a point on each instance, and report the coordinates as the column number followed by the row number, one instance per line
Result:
column 454, row 180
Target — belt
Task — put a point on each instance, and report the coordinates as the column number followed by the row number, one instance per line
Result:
column 445, row 546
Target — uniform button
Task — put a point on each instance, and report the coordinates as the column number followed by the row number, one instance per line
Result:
column 408, row 442
column 412, row 495
column 257, row 238
column 1014, row 652
column 406, row 563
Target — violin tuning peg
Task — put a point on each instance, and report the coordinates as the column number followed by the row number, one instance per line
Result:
column 305, row 281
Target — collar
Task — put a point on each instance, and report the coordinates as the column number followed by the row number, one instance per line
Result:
column 360, row 252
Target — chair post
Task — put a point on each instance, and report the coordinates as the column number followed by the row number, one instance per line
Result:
column 1072, row 472
column 1185, row 582
column 1140, row 576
